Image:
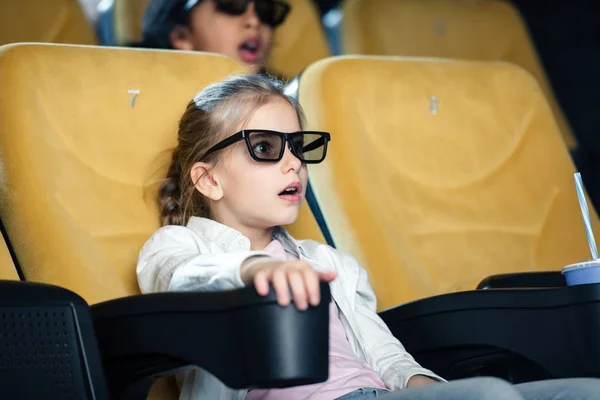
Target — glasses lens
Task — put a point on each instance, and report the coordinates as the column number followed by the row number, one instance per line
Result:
column 309, row 146
column 271, row 12
column 266, row 145
column 232, row 7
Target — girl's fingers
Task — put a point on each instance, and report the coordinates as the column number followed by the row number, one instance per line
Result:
column 280, row 284
column 296, row 283
column 311, row 280
column 261, row 282
column 298, row 277
column 327, row 276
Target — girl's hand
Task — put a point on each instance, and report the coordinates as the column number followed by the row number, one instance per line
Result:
column 285, row 275
column 419, row 380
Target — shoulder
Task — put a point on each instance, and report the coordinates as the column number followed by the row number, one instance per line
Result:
column 171, row 236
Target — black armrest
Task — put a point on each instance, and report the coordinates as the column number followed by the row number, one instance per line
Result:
column 515, row 334
column 524, row 280
column 244, row 339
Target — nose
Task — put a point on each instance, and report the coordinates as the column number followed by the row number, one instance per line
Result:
column 250, row 17
column 289, row 161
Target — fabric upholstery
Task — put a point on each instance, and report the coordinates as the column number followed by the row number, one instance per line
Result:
column 441, row 173
column 52, row 21
column 128, row 16
column 78, row 161
column 7, row 267
column 463, row 29
column 300, row 41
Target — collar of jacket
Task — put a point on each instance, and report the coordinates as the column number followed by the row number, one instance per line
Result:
column 230, row 239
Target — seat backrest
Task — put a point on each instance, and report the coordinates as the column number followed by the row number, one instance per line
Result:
column 464, row 29
column 48, row 347
column 441, row 173
column 297, row 43
column 80, row 155
column 300, row 41
column 127, row 17
column 7, row 267
column 52, row 21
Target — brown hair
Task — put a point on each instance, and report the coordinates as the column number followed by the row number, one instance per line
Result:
column 212, row 115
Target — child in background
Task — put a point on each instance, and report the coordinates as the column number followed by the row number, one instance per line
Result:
column 239, row 29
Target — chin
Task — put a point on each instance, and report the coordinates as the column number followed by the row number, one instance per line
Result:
column 287, row 219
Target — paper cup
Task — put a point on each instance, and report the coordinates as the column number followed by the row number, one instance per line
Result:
column 582, row 273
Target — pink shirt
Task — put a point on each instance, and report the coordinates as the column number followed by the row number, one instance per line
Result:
column 347, row 372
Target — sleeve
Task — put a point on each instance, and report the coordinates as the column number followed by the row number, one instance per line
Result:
column 171, row 260
column 385, row 352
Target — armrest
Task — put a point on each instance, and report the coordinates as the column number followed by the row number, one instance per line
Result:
column 244, row 339
column 524, row 280
column 503, row 332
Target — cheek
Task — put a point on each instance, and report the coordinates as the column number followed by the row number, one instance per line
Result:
column 251, row 186
column 303, row 175
column 215, row 35
column 206, row 40
column 240, row 170
column 267, row 37
column 303, row 170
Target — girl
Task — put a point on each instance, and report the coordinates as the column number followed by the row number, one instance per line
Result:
column 237, row 175
column 239, row 29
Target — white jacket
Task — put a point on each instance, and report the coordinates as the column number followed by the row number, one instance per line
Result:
column 206, row 256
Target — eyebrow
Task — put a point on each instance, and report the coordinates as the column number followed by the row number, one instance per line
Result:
column 263, row 134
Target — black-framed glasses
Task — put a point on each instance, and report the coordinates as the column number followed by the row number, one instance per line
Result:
column 269, row 12
column 310, row 147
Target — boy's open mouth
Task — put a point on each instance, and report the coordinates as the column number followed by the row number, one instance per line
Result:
column 249, row 50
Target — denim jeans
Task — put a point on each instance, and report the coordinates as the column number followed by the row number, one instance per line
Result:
column 489, row 389
column 364, row 393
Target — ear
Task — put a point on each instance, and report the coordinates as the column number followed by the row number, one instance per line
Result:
column 181, row 38
column 205, row 182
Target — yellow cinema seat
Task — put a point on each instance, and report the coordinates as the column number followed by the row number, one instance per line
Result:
column 128, row 15
column 7, row 267
column 300, row 41
column 51, row 21
column 462, row 29
column 440, row 173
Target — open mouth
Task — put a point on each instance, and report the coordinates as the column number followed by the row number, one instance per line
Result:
column 292, row 193
column 289, row 191
column 250, row 50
